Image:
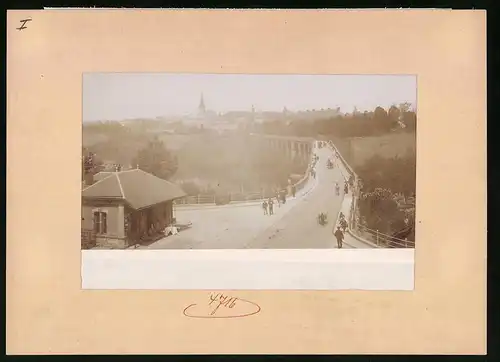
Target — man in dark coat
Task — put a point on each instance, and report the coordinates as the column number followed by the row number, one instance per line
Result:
column 339, row 235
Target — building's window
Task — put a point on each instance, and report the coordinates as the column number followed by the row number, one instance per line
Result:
column 100, row 222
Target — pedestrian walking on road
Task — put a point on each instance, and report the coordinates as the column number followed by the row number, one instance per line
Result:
column 278, row 201
column 283, row 197
column 337, row 189
column 264, row 206
column 293, row 190
column 271, row 204
column 339, row 235
column 346, row 188
column 343, row 224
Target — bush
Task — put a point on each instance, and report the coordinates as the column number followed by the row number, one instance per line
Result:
column 380, row 211
column 383, row 180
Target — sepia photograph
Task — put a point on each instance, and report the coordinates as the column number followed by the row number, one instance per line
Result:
column 252, row 170
column 248, row 161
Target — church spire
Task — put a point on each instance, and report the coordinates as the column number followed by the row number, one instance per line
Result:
column 201, row 107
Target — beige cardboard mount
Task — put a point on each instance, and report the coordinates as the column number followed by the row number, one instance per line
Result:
column 47, row 312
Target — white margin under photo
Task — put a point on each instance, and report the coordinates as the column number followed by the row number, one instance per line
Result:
column 334, row 269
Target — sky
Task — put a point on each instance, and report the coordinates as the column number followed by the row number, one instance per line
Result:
column 117, row 96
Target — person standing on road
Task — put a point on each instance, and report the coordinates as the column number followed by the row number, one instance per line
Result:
column 270, row 203
column 278, row 201
column 337, row 189
column 346, row 188
column 264, row 206
column 339, row 235
column 293, row 190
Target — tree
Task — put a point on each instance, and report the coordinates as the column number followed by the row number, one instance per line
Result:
column 405, row 107
column 190, row 188
column 358, row 124
column 380, row 211
column 379, row 113
column 410, row 120
column 157, row 160
column 383, row 179
column 381, row 120
column 394, row 114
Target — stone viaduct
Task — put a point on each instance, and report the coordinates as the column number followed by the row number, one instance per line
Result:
column 295, row 148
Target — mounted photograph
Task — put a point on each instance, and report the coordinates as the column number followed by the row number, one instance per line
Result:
column 248, row 161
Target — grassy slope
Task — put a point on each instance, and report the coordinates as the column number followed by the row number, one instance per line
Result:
column 357, row 150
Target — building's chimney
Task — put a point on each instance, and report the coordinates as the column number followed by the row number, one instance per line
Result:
column 89, row 179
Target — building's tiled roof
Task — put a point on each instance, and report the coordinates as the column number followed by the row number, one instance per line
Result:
column 138, row 188
column 102, row 175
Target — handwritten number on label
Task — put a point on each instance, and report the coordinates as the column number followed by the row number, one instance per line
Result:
column 224, row 301
column 213, row 298
column 233, row 303
column 23, row 24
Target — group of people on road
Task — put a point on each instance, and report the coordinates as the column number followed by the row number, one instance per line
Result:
column 312, row 166
column 280, row 198
column 342, row 222
column 268, row 206
column 337, row 188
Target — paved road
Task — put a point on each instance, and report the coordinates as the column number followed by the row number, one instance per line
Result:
column 299, row 228
column 294, row 224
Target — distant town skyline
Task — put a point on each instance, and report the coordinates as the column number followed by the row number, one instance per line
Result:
column 119, row 96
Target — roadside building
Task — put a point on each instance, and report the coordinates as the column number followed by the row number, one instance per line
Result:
column 121, row 208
